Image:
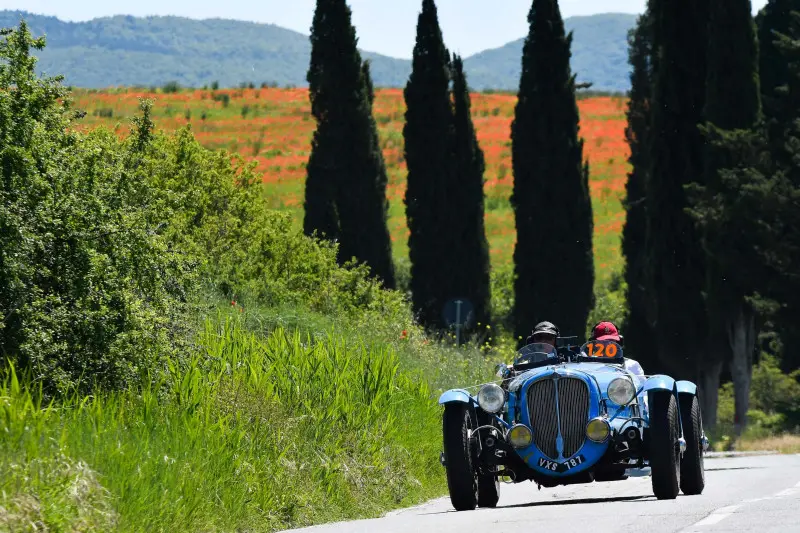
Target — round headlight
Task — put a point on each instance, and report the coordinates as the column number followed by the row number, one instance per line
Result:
column 598, row 429
column 520, row 436
column 491, row 398
column 621, row 391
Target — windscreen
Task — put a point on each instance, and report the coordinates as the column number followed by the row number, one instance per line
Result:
column 536, row 352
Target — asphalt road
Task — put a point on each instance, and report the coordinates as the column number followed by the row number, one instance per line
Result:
column 751, row 493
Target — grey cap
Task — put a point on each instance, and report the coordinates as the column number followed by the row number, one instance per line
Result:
column 545, row 327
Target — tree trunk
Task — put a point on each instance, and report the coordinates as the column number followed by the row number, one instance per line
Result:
column 741, row 337
column 708, row 392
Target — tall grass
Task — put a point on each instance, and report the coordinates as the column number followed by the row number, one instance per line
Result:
column 256, row 433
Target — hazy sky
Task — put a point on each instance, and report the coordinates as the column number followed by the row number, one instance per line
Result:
column 383, row 26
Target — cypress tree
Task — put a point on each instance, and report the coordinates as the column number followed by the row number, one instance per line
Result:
column 639, row 335
column 773, row 19
column 675, row 261
column 427, row 130
column 776, row 63
column 781, row 247
column 469, row 267
column 732, row 103
column 553, row 213
column 322, row 170
column 346, row 157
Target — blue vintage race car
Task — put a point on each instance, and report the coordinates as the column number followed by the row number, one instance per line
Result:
column 566, row 415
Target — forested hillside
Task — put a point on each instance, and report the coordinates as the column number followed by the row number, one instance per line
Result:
column 133, row 51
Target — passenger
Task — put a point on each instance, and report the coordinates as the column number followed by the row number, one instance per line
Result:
column 607, row 331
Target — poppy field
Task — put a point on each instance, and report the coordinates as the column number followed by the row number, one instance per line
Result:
column 274, row 126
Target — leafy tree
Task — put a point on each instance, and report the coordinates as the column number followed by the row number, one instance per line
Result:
column 732, row 103
column 469, row 265
column 675, row 260
column 777, row 186
column 346, row 185
column 89, row 287
column 427, row 132
column 553, row 213
column 639, row 335
column 773, row 20
column 777, row 57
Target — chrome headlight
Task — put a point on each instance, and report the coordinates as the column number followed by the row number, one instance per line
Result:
column 520, row 436
column 491, row 398
column 598, row 429
column 621, row 391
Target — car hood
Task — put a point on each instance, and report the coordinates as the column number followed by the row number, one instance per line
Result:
column 603, row 374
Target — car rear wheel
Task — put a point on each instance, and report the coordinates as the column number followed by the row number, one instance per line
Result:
column 665, row 452
column 693, row 477
column 461, row 479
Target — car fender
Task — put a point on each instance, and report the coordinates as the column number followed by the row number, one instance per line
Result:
column 456, row 396
column 659, row 382
column 461, row 396
column 686, row 387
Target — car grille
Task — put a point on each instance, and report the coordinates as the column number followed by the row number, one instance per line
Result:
column 573, row 406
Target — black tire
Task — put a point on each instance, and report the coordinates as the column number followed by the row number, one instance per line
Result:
column 461, row 479
column 665, row 458
column 488, row 490
column 693, row 473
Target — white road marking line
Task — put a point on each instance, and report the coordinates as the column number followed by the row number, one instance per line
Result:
column 722, row 513
column 712, row 519
column 717, row 516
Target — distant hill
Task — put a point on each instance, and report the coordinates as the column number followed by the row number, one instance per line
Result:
column 147, row 51
column 599, row 55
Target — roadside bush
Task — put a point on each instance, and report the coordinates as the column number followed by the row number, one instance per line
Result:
column 108, row 245
column 88, row 287
column 774, row 403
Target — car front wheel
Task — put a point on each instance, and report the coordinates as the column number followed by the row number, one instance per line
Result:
column 461, row 479
column 665, row 453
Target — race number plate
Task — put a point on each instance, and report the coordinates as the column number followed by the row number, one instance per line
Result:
column 561, row 467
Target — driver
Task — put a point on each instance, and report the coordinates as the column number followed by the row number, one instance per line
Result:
column 607, row 331
column 544, row 332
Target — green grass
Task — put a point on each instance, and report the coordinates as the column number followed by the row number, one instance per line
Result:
column 260, row 432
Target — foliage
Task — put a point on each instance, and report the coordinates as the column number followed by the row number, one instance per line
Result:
column 638, row 330
column 732, row 103
column 772, row 20
column 444, row 198
column 674, row 258
column 774, row 404
column 470, row 265
column 551, row 202
column 105, row 280
column 777, row 182
column 89, row 285
column 427, row 150
column 346, row 185
column 612, row 305
column 282, row 429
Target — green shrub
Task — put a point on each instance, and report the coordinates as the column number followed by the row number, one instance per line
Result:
column 225, row 98
column 171, row 87
column 88, row 287
column 774, row 403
